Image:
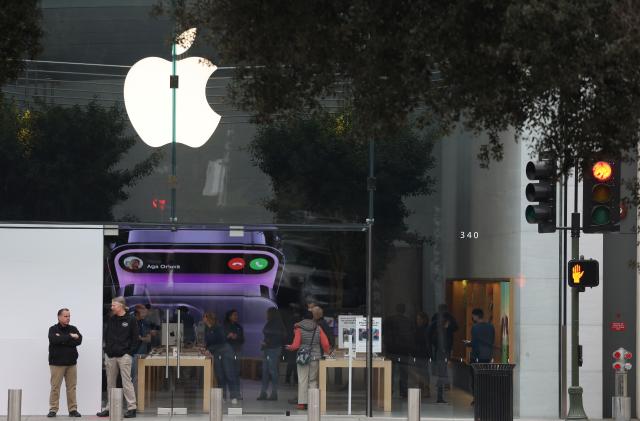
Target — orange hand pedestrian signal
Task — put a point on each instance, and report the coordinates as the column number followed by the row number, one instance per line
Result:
column 577, row 273
column 584, row 273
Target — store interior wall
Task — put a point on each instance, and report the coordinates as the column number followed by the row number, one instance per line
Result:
column 44, row 269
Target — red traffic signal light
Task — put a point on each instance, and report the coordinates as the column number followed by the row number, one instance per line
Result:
column 601, row 170
column 627, row 356
column 601, row 196
column 617, row 355
column 617, row 366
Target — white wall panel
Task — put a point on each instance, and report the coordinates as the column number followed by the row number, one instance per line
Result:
column 44, row 269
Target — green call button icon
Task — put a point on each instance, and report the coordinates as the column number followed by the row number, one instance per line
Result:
column 259, row 263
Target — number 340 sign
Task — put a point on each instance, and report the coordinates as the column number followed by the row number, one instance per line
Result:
column 584, row 273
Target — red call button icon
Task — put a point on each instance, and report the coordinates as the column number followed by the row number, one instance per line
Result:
column 237, row 263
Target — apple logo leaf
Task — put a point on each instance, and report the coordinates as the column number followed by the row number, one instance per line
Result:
column 184, row 40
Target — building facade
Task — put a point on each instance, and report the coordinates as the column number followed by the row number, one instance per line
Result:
column 464, row 244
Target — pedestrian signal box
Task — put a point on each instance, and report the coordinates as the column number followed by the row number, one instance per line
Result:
column 584, row 273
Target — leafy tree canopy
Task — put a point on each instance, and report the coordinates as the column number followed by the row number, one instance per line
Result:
column 568, row 71
column 63, row 163
column 318, row 169
column 21, row 33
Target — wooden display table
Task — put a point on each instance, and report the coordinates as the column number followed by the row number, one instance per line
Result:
column 381, row 382
column 185, row 361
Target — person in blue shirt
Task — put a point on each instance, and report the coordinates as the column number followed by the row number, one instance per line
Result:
column 483, row 336
column 222, row 353
column 234, row 334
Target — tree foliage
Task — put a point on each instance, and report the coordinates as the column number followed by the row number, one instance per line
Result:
column 318, row 170
column 566, row 72
column 21, row 33
column 64, row 163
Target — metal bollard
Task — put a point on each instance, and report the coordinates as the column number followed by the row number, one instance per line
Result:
column 215, row 404
column 313, row 407
column 621, row 408
column 413, row 412
column 621, row 403
column 14, row 411
column 115, row 404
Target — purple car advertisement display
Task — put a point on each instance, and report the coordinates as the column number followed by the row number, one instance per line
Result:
column 200, row 271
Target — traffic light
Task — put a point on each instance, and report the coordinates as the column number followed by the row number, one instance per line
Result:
column 543, row 192
column 584, row 273
column 601, row 196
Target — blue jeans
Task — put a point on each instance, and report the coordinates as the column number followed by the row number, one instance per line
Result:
column 224, row 365
column 270, row 362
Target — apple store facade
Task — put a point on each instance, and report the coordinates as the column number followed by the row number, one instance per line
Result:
column 247, row 228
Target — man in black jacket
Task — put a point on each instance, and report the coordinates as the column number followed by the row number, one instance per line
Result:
column 121, row 342
column 63, row 356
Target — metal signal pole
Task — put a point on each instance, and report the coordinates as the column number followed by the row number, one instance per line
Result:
column 576, row 409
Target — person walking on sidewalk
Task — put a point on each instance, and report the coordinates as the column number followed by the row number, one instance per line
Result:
column 310, row 342
column 63, row 357
column 121, row 343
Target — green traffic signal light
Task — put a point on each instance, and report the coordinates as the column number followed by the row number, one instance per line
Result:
column 530, row 214
column 601, row 215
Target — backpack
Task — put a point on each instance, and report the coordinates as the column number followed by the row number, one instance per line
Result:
column 303, row 356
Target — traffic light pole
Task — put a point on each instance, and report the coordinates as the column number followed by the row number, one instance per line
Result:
column 576, row 409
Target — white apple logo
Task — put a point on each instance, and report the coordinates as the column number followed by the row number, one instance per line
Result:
column 148, row 98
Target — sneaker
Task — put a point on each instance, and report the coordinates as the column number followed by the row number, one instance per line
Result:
column 74, row 414
column 301, row 406
column 234, row 401
column 262, row 397
column 51, row 414
column 103, row 413
column 131, row 413
column 273, row 397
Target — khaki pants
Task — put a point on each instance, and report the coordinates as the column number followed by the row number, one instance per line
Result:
column 307, row 379
column 120, row 365
column 70, row 375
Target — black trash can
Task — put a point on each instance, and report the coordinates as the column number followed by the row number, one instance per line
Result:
column 493, row 392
